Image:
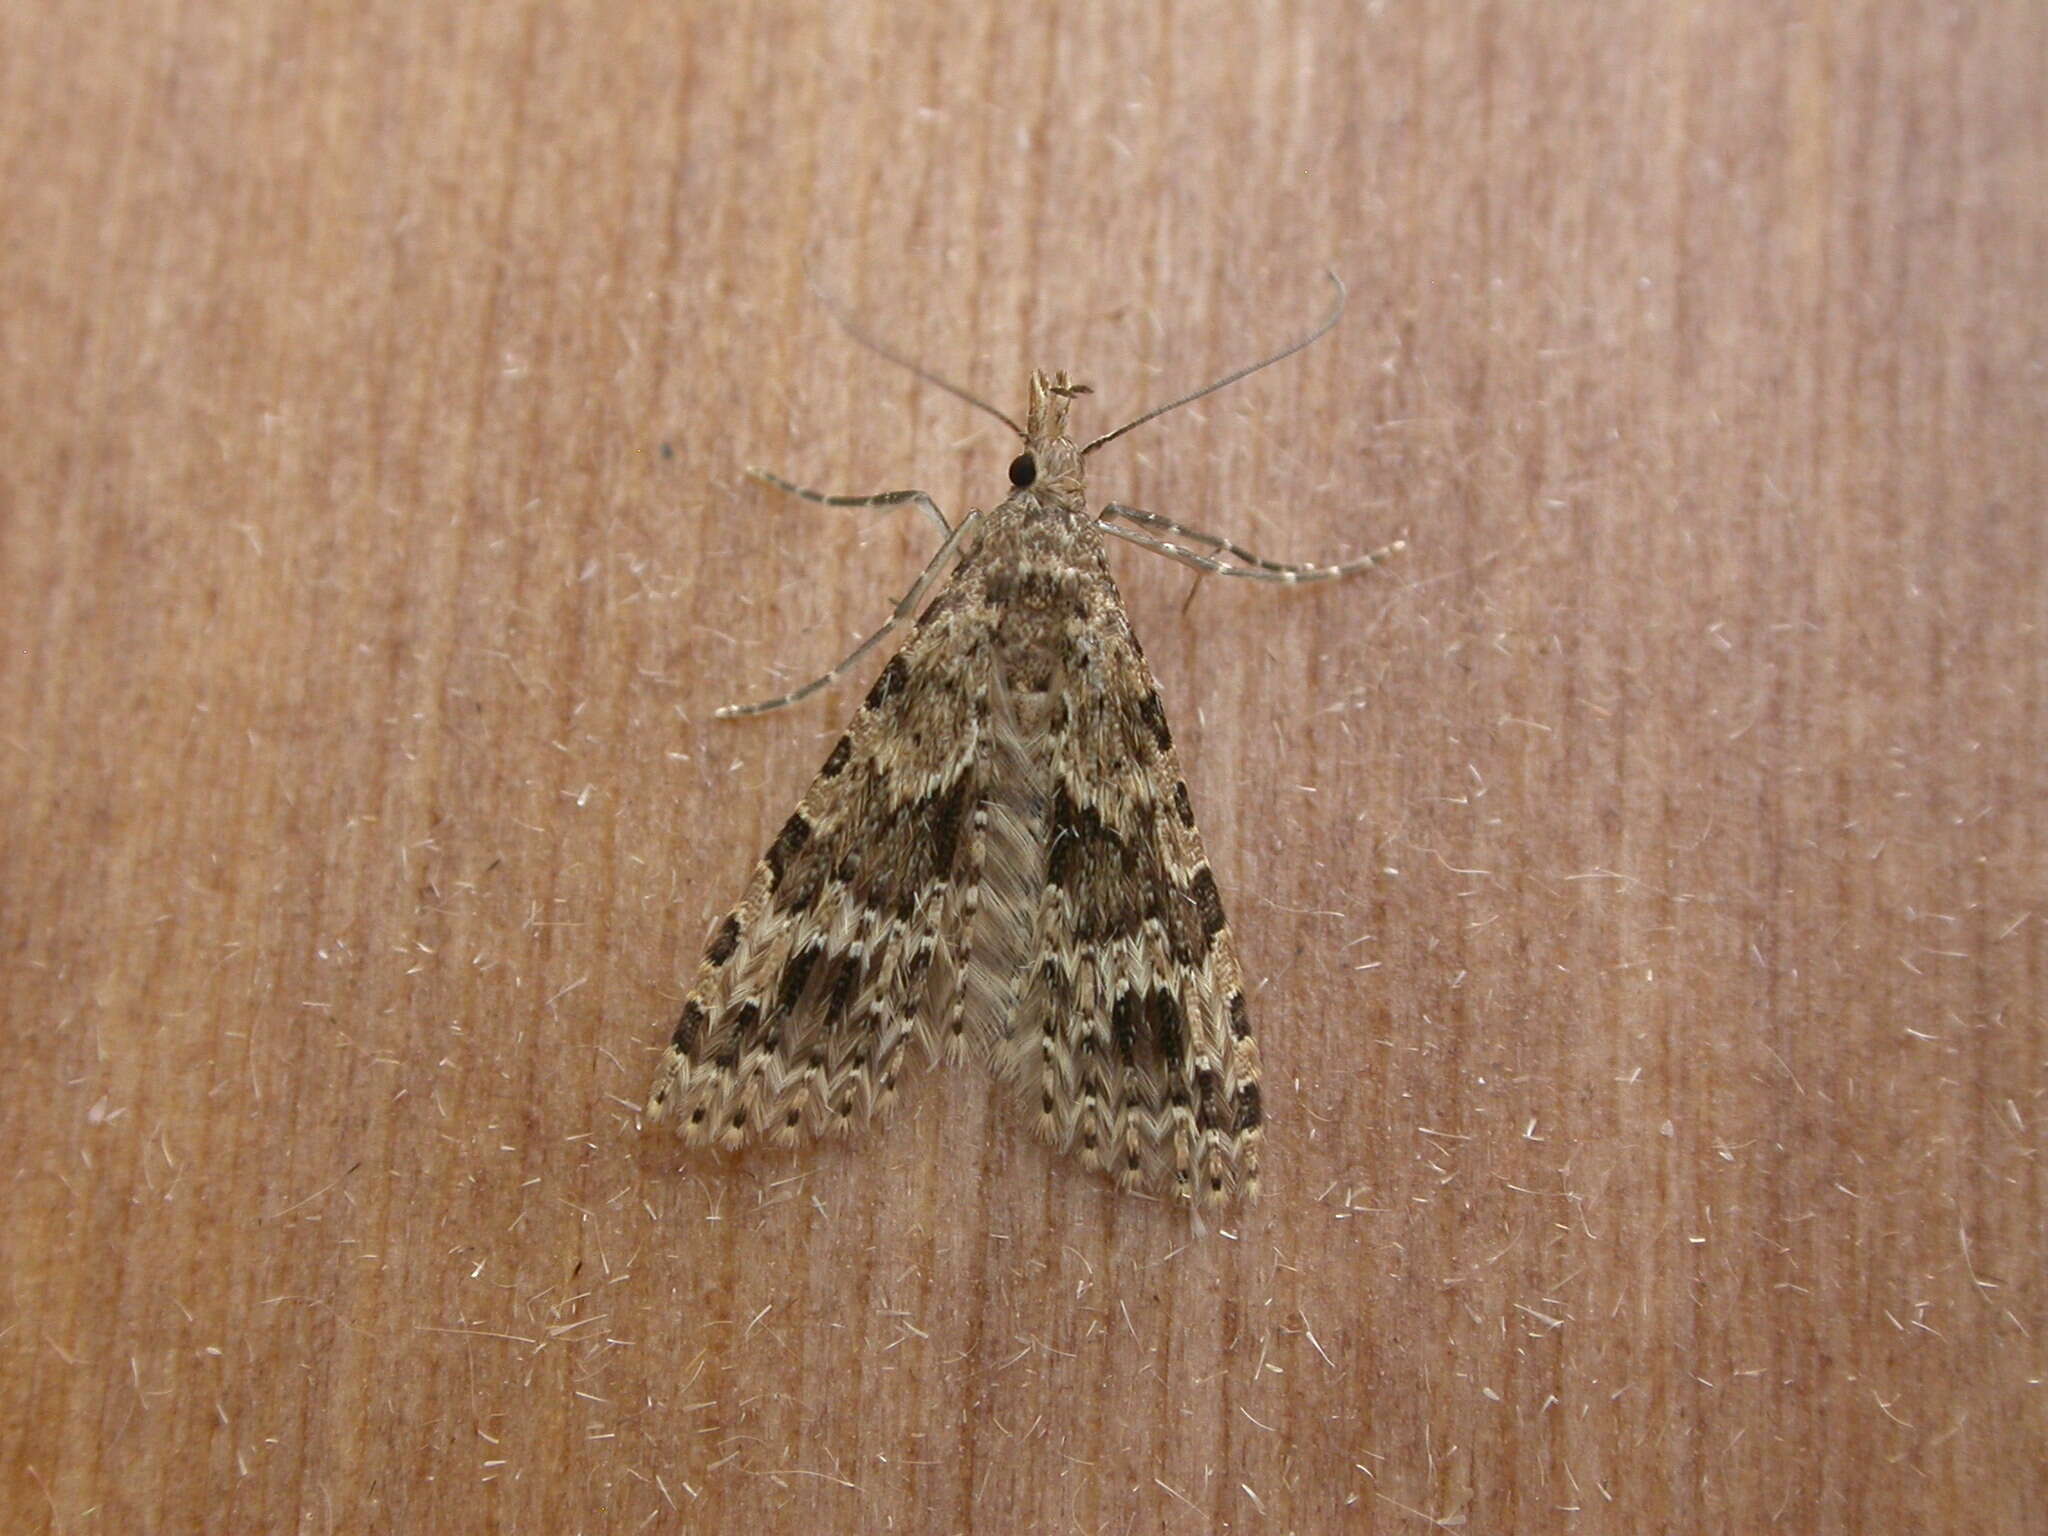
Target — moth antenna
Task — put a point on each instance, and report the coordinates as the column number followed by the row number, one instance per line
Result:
column 860, row 334
column 1329, row 321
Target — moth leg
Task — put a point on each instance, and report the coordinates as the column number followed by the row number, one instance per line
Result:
column 904, row 610
column 1255, row 567
column 885, row 499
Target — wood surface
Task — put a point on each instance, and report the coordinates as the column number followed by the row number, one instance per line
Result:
column 1641, row 885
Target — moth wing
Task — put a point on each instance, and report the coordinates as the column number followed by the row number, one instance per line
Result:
column 1130, row 1020
column 837, row 953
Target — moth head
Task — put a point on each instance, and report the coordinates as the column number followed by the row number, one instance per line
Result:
column 1049, row 454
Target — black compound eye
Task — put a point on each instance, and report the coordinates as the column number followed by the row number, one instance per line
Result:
column 1023, row 470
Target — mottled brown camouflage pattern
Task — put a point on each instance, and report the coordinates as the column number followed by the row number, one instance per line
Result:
column 998, row 859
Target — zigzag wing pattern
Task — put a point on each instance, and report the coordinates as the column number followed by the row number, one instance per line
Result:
column 844, row 945
column 1130, row 1030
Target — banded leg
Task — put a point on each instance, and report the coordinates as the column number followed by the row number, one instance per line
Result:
column 885, row 499
column 904, row 610
column 1255, row 567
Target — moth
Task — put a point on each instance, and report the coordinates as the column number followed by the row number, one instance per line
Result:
column 999, row 858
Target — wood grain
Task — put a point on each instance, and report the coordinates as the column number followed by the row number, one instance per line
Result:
column 1642, row 884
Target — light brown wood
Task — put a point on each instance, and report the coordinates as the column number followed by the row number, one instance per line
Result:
column 1642, row 883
